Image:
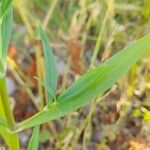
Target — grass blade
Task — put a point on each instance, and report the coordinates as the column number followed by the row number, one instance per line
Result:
column 6, row 24
column 2, row 69
column 4, row 7
column 7, row 30
column 11, row 139
column 48, row 88
column 34, row 141
column 49, row 63
column 91, row 84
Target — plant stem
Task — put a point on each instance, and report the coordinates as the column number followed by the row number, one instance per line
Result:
column 108, row 14
column 1, row 39
column 22, row 12
column 6, row 104
column 49, row 13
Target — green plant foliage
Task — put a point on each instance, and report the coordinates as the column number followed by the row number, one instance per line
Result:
column 10, row 138
column 91, row 84
column 146, row 9
column 146, row 116
column 34, row 141
column 44, row 136
column 2, row 121
column 6, row 20
column 4, row 5
column 2, row 70
column 49, row 63
column 50, row 92
column 6, row 24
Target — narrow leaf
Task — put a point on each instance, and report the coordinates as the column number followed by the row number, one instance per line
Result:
column 2, row 122
column 49, row 63
column 6, row 24
column 91, row 84
column 11, row 139
column 4, row 5
column 34, row 141
column 48, row 88
column 2, row 69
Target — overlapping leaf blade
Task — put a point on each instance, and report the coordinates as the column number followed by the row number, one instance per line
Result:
column 91, row 84
column 47, row 87
column 34, row 141
column 49, row 64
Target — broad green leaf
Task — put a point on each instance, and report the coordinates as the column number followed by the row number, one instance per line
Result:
column 49, row 63
column 91, row 84
column 34, row 141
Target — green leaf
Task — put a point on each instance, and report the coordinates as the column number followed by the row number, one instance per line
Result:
column 2, row 122
column 146, row 9
column 48, row 88
column 6, row 24
column 10, row 138
column 2, row 69
column 49, row 63
column 91, row 84
column 34, row 141
column 4, row 6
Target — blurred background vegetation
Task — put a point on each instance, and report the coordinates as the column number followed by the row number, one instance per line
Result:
column 82, row 34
